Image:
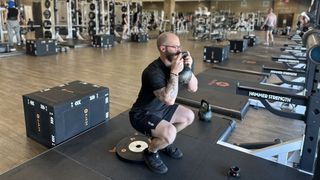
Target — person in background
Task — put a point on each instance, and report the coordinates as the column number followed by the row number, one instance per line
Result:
column 303, row 23
column 125, row 25
column 12, row 19
column 268, row 25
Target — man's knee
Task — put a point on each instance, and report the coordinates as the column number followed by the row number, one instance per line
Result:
column 169, row 134
column 189, row 116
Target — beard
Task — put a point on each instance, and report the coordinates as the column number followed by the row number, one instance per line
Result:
column 170, row 55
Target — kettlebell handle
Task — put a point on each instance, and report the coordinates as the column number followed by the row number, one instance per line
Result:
column 205, row 105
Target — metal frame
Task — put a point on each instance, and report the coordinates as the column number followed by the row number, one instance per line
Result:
column 2, row 31
column 286, row 153
column 311, row 100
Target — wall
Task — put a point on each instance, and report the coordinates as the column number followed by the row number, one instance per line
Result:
column 233, row 6
column 292, row 6
column 236, row 6
column 242, row 6
column 187, row 7
column 152, row 6
column 184, row 7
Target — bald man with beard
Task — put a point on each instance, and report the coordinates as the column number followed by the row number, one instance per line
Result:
column 155, row 113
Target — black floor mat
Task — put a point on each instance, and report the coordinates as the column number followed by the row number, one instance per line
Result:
column 218, row 87
column 92, row 156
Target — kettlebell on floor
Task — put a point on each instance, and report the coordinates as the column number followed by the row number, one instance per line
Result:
column 205, row 113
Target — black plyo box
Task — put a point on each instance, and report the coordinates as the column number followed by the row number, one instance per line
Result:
column 103, row 40
column 41, row 47
column 139, row 38
column 238, row 45
column 216, row 53
column 54, row 115
column 252, row 40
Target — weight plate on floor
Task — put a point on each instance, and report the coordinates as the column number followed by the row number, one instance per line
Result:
column 131, row 148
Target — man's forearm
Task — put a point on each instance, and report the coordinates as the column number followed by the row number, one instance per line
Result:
column 193, row 84
column 171, row 90
column 169, row 93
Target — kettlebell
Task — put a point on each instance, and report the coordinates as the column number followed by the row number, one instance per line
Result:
column 205, row 113
column 186, row 74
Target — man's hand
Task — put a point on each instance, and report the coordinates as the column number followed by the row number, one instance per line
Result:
column 188, row 60
column 177, row 64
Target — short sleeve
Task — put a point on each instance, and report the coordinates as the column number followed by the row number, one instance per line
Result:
column 155, row 79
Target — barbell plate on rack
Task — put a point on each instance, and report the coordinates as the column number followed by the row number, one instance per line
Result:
column 48, row 34
column 91, row 32
column 131, row 148
column 47, row 24
column 124, row 9
column 47, row 14
column 92, row 7
column 47, row 4
column 92, row 23
column 92, row 15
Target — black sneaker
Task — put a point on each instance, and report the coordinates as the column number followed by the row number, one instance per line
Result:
column 154, row 162
column 173, row 152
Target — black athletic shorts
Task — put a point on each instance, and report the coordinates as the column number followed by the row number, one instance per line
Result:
column 267, row 28
column 144, row 121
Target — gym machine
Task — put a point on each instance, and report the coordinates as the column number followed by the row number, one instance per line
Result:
column 163, row 27
column 306, row 145
column 102, row 23
column 2, row 29
column 5, row 49
column 297, row 66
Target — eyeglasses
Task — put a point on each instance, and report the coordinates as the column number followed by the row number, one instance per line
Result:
column 176, row 47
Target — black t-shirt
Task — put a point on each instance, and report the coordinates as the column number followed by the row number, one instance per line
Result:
column 12, row 14
column 154, row 77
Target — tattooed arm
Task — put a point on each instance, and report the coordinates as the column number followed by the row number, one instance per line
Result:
column 169, row 93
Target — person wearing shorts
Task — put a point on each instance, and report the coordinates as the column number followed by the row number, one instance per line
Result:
column 268, row 26
column 155, row 113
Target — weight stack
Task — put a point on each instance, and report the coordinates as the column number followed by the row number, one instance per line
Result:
column 216, row 53
column 41, row 47
column 74, row 17
column 46, row 19
column 112, row 16
column 238, row 45
column 252, row 40
column 139, row 38
column 93, row 18
column 103, row 40
column 54, row 115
